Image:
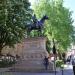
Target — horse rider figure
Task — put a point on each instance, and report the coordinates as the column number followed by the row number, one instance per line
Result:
column 34, row 20
column 36, row 24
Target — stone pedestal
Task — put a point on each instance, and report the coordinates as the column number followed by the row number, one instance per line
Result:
column 34, row 48
column 32, row 55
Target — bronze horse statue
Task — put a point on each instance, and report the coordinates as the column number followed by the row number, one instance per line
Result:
column 36, row 24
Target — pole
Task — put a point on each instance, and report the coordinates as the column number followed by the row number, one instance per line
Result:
column 62, row 71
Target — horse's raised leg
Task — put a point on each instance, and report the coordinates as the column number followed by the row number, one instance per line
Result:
column 39, row 33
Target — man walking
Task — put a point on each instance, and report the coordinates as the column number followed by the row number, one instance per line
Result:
column 73, row 63
column 46, row 62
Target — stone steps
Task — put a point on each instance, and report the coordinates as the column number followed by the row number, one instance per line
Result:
column 30, row 70
column 30, row 66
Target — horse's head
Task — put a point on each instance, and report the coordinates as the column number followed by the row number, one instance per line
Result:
column 45, row 17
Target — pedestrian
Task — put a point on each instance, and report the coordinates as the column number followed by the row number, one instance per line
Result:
column 73, row 63
column 46, row 62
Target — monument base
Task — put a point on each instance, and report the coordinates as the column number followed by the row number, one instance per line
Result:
column 33, row 54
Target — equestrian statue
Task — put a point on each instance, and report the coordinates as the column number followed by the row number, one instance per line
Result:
column 36, row 24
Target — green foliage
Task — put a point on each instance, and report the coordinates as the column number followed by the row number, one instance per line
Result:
column 73, row 36
column 59, row 26
column 6, row 63
column 59, row 63
column 14, row 15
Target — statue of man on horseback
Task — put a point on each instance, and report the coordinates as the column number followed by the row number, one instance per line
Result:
column 36, row 24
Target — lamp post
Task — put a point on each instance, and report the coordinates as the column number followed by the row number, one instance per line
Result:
column 62, row 70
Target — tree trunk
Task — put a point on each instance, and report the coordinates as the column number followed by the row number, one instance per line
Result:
column 59, row 55
column 0, row 50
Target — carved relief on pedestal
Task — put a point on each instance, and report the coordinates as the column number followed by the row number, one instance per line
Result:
column 34, row 56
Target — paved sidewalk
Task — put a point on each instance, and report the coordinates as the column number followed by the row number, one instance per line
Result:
column 67, row 71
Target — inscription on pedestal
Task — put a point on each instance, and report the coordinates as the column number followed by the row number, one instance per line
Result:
column 34, row 56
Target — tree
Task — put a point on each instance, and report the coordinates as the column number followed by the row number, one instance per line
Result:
column 59, row 26
column 14, row 15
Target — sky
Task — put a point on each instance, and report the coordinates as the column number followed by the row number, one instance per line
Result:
column 68, row 4
column 71, row 5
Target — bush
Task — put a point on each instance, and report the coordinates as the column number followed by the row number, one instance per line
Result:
column 6, row 62
column 59, row 63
